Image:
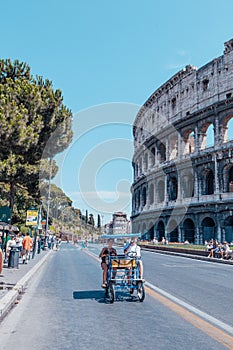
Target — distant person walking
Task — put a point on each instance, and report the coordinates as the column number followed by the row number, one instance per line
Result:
column 27, row 246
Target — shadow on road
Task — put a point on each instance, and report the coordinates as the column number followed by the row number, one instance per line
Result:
column 100, row 296
column 89, row 294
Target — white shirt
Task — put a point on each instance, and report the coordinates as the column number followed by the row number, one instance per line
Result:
column 134, row 249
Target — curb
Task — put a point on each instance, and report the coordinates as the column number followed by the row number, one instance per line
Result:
column 7, row 302
column 189, row 256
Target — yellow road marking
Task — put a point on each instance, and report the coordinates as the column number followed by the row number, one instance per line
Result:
column 206, row 327
column 214, row 332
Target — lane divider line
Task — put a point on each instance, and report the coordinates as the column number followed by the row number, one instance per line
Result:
column 215, row 333
column 192, row 309
column 196, row 317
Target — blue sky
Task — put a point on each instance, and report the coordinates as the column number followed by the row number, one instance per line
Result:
column 107, row 57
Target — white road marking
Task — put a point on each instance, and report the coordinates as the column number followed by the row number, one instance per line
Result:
column 192, row 309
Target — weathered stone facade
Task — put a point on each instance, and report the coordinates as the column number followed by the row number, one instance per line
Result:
column 183, row 159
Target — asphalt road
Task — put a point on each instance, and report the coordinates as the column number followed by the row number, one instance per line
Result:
column 64, row 307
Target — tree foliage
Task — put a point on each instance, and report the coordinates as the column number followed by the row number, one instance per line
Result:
column 35, row 125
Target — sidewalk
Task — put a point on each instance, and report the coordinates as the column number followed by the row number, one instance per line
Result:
column 14, row 281
column 190, row 255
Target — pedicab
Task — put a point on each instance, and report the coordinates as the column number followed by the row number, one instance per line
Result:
column 123, row 273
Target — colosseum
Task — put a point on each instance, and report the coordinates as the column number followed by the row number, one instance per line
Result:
column 183, row 148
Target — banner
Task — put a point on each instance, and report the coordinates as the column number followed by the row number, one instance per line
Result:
column 32, row 217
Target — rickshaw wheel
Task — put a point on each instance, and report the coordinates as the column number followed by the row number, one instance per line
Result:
column 111, row 293
column 141, row 292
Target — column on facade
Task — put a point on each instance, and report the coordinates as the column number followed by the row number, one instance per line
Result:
column 180, row 146
column 219, row 230
column 167, row 149
column 196, row 184
column 165, row 188
column 147, row 197
column 179, row 234
column 150, row 161
column 197, row 238
column 216, row 175
column 197, row 144
column 217, row 138
column 179, row 192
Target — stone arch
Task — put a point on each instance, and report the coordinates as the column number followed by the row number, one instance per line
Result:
column 160, row 232
column 208, row 229
column 146, row 161
column 172, row 187
column 207, row 135
column 228, row 178
column 189, row 230
column 189, row 142
column 144, row 231
column 173, row 147
column 152, row 156
column 227, row 128
column 138, row 199
column 160, row 191
column 139, row 228
column 228, row 228
column 151, row 230
column 161, row 152
column 144, row 196
column 151, row 194
column 187, row 184
column 208, row 182
column 173, row 235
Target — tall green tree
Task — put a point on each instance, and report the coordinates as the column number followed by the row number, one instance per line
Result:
column 91, row 220
column 35, row 125
column 98, row 221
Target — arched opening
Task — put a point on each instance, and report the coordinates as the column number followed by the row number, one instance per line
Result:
column 208, row 228
column 230, row 180
column 187, row 185
column 151, row 231
column 152, row 156
column 172, row 188
column 228, row 129
column 210, row 136
column 228, row 227
column 160, row 191
column 160, row 233
column 209, row 182
column 138, row 199
column 189, row 146
column 151, row 194
column 207, row 136
column 173, row 231
column 145, row 235
column 146, row 162
column 189, row 230
column 161, row 152
column 144, row 196
column 173, row 148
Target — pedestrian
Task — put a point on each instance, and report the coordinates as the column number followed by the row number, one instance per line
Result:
column 19, row 240
column 27, row 246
